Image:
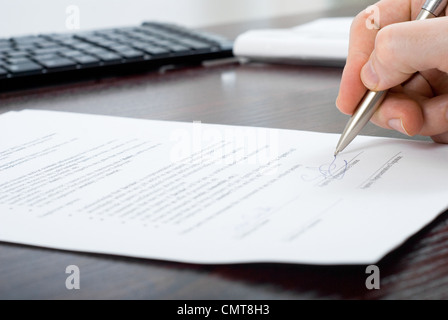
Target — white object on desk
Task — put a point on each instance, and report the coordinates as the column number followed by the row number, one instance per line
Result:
column 321, row 42
column 205, row 193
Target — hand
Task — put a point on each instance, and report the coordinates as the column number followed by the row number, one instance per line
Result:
column 388, row 59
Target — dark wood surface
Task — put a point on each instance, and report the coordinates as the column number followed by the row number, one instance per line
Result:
column 253, row 94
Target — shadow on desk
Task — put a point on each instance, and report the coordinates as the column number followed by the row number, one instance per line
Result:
column 416, row 270
column 413, row 271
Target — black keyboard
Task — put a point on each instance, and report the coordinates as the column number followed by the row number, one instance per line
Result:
column 35, row 60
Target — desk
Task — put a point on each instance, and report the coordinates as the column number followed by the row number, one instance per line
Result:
column 278, row 96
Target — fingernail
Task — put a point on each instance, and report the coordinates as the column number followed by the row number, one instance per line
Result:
column 369, row 76
column 397, row 125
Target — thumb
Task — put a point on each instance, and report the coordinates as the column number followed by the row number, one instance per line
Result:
column 403, row 49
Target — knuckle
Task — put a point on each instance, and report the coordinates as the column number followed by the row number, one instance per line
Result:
column 359, row 21
column 385, row 44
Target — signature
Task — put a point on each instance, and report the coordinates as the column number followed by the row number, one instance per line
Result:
column 334, row 170
column 252, row 221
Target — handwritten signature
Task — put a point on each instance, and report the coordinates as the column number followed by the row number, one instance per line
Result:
column 333, row 170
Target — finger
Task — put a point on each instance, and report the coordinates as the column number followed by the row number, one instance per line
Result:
column 418, row 87
column 437, row 80
column 435, row 114
column 362, row 43
column 427, row 117
column 441, row 138
column 401, row 113
column 403, row 49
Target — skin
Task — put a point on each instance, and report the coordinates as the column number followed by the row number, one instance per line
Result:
column 408, row 57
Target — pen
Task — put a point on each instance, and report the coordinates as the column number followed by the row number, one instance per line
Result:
column 373, row 99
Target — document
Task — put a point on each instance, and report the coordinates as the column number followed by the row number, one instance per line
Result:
column 323, row 41
column 212, row 194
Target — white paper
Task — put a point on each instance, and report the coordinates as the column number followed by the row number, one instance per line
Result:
column 323, row 41
column 203, row 193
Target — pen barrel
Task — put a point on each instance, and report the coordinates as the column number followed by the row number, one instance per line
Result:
column 433, row 9
column 367, row 107
column 425, row 15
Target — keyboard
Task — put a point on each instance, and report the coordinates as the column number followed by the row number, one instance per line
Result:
column 29, row 61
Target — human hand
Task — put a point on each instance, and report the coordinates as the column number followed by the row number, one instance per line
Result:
column 388, row 59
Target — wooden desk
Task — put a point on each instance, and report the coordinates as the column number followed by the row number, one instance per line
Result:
column 279, row 96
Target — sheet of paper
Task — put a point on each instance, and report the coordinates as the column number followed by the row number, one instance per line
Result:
column 203, row 193
column 320, row 42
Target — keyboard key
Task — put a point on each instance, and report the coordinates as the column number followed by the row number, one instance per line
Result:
column 120, row 47
column 196, row 45
column 106, row 43
column 25, row 47
column 17, row 54
column 95, row 50
column 56, row 36
column 47, row 50
column 29, row 68
column 48, row 56
column 108, row 57
column 48, row 45
column 150, row 39
column 132, row 55
column 87, row 61
column 84, row 46
column 26, row 39
column 70, row 42
column 5, row 47
column 129, row 53
column 72, row 53
column 58, row 64
column 119, row 38
column 3, row 73
column 178, row 49
column 156, row 52
column 163, row 43
column 19, row 60
column 89, row 37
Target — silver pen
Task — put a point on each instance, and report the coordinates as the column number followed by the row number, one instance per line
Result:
column 372, row 99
